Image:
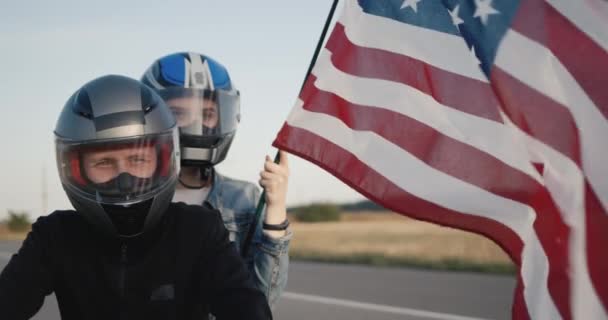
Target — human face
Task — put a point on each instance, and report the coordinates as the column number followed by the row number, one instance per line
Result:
column 104, row 165
column 189, row 111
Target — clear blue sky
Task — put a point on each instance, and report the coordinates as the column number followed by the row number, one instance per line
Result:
column 51, row 48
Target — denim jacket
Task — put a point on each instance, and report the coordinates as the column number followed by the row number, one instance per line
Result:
column 268, row 257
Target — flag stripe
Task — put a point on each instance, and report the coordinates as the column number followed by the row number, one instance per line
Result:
column 589, row 128
column 386, row 189
column 590, row 17
column 519, row 309
column 432, row 147
column 530, row 111
column 474, row 97
column 376, row 70
column 597, row 239
column 439, row 188
column 330, row 157
column 565, row 181
column 534, row 266
column 339, row 160
column 410, row 102
column 564, row 89
column 445, row 51
column 471, row 166
column 581, row 56
column 398, row 107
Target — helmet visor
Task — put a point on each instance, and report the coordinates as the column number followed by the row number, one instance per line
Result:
column 206, row 115
column 119, row 171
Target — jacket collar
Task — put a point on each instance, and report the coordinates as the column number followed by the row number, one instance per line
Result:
column 215, row 194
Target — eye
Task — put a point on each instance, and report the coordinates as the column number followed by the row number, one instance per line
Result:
column 103, row 163
column 178, row 112
column 139, row 160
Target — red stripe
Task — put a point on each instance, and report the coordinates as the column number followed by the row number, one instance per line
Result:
column 597, row 239
column 75, row 172
column 379, row 189
column 465, row 163
column 519, row 310
column 450, row 89
column 588, row 63
column 376, row 187
column 437, row 150
column 553, row 124
column 537, row 115
column 583, row 57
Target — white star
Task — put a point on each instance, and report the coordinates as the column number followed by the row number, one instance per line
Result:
column 410, row 3
column 484, row 10
column 455, row 18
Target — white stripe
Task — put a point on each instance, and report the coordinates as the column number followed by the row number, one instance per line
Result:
column 150, row 77
column 445, row 51
column 443, row 190
column 545, row 73
column 439, row 188
column 201, row 68
column 535, row 275
column 186, row 73
column 374, row 307
column 590, row 16
column 564, row 180
column 403, row 99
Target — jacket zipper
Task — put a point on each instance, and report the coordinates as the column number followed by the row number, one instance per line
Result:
column 123, row 269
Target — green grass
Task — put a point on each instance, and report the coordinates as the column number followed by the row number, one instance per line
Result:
column 409, row 262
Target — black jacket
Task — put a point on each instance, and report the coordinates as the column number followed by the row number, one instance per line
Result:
column 184, row 269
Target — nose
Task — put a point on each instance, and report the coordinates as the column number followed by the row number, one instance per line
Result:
column 122, row 167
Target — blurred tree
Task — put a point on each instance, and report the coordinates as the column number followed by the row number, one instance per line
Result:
column 18, row 221
column 364, row 205
column 318, row 212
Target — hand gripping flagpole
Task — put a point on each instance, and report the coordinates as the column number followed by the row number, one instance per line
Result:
column 262, row 200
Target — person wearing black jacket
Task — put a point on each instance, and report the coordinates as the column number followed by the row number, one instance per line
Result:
column 126, row 252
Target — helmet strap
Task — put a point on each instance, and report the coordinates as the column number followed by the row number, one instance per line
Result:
column 205, row 175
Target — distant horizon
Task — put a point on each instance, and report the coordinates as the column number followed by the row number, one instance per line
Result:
column 354, row 204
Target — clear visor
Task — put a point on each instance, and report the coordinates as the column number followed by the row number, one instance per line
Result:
column 202, row 113
column 119, row 171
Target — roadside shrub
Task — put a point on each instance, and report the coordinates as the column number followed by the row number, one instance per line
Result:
column 318, row 212
column 18, row 221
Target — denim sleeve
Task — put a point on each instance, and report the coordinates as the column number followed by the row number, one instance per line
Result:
column 270, row 265
column 270, row 262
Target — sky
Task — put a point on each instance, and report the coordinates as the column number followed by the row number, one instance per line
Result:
column 51, row 48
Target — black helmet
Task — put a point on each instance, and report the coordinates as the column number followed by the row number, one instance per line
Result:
column 117, row 154
column 204, row 101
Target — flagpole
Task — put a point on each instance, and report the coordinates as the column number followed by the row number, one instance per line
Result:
column 262, row 200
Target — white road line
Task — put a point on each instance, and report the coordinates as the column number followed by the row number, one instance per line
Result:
column 374, row 307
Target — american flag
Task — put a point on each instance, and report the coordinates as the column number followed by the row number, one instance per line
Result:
column 482, row 115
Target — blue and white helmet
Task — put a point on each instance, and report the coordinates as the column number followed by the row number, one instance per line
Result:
column 206, row 105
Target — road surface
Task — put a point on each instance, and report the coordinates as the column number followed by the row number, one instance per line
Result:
column 326, row 291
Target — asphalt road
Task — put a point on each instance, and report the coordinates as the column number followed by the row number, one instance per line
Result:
column 325, row 291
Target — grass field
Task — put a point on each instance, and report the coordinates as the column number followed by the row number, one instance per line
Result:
column 391, row 239
column 5, row 234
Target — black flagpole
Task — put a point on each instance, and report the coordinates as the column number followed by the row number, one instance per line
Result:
column 262, row 201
